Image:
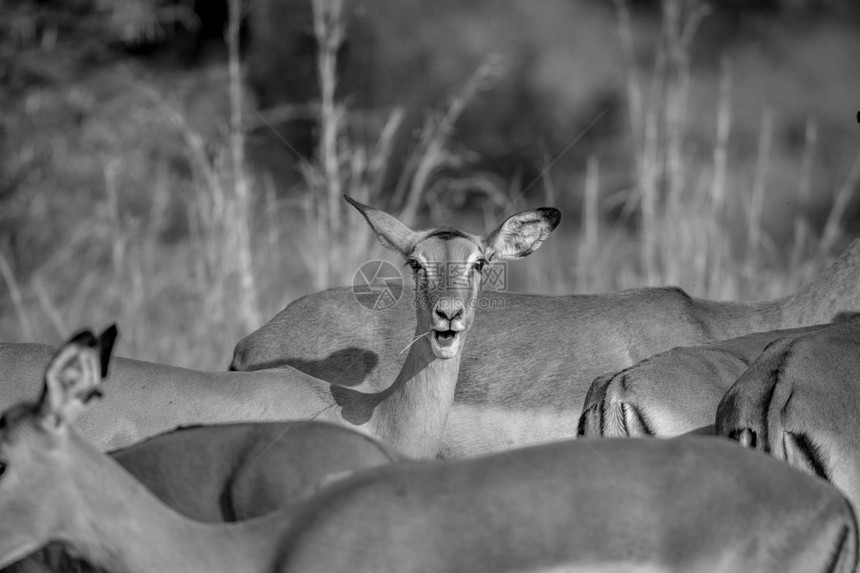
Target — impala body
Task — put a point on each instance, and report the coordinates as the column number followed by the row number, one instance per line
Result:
column 408, row 414
column 531, row 358
column 607, row 505
column 233, row 472
column 673, row 392
column 800, row 402
column 570, row 506
column 148, row 398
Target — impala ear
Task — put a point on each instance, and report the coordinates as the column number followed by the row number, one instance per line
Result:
column 520, row 235
column 106, row 341
column 73, row 376
column 391, row 233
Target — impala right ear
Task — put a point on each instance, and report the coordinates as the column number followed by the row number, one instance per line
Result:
column 391, row 233
column 73, row 376
column 521, row 235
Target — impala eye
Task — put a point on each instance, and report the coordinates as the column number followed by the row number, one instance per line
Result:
column 414, row 265
column 479, row 264
column 2, row 468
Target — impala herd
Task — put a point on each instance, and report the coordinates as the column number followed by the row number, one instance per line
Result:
column 329, row 447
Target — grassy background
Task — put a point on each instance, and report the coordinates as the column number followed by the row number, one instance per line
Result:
column 727, row 167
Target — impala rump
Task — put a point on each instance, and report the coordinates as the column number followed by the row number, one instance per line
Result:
column 799, row 402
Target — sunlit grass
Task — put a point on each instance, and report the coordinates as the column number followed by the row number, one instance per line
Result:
column 151, row 222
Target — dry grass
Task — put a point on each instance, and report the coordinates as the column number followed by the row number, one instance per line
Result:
column 189, row 263
column 688, row 207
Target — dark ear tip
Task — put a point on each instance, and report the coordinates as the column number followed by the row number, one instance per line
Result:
column 362, row 208
column 84, row 337
column 552, row 216
column 106, row 342
column 109, row 334
column 351, row 201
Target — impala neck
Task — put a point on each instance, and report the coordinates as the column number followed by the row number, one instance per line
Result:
column 116, row 523
column 411, row 413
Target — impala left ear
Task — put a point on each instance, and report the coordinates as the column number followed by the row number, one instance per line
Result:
column 73, row 376
column 391, row 233
column 522, row 234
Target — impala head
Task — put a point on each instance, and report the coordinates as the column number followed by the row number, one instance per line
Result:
column 447, row 264
column 36, row 498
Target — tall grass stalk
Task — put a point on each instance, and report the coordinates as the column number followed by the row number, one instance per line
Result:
column 590, row 225
column 681, row 20
column 49, row 308
column 335, row 246
column 686, row 205
column 810, row 141
column 431, row 154
column 718, row 254
column 755, row 204
column 118, row 246
column 329, row 32
column 834, row 218
column 721, row 147
column 241, row 185
column 658, row 124
column 17, row 299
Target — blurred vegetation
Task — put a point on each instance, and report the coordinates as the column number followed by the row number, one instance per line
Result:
column 144, row 180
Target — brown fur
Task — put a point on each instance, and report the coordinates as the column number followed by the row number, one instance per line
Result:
column 800, row 401
column 535, row 352
column 676, row 391
column 234, row 472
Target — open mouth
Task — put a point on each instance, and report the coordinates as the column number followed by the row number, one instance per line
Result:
column 445, row 343
column 445, row 337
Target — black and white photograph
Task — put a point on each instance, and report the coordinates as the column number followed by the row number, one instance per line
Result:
column 429, row 286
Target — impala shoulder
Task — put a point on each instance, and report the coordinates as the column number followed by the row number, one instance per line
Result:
column 671, row 300
column 680, row 300
column 679, row 292
column 668, row 293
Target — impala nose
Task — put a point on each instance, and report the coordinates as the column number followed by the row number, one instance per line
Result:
column 449, row 309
